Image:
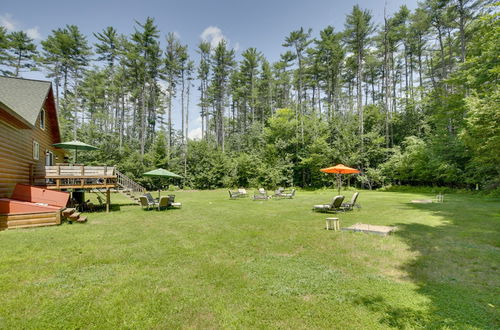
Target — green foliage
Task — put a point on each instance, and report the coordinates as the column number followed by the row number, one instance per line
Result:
column 482, row 137
column 209, row 168
column 410, row 101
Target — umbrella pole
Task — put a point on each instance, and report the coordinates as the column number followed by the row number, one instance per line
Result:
column 338, row 182
column 76, row 155
column 340, row 185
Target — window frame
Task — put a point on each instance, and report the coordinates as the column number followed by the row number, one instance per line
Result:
column 42, row 119
column 36, row 150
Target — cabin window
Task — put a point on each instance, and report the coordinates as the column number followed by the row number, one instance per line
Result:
column 36, row 150
column 42, row 119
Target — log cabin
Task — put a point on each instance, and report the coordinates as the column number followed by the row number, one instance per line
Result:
column 28, row 128
column 31, row 170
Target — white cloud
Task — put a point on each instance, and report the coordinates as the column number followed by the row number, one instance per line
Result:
column 195, row 134
column 177, row 35
column 33, row 33
column 236, row 46
column 11, row 25
column 8, row 22
column 198, row 120
column 213, row 35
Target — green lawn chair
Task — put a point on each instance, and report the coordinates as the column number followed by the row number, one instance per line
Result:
column 334, row 206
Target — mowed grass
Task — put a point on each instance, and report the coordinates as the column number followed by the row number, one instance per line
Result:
column 220, row 263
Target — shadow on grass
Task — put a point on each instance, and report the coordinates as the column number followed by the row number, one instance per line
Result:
column 112, row 208
column 456, row 268
column 395, row 317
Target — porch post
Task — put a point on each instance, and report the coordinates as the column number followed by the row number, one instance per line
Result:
column 108, row 199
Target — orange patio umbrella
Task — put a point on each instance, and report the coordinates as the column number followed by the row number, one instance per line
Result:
column 340, row 169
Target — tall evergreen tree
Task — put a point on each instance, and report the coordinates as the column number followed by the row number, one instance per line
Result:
column 22, row 52
column 222, row 64
column 358, row 29
column 299, row 40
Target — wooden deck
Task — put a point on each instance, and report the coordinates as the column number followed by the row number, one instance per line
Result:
column 77, row 177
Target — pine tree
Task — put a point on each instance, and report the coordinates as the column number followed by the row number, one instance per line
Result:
column 299, row 40
column 359, row 27
column 222, row 64
column 22, row 52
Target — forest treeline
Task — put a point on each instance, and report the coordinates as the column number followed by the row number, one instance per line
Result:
column 413, row 99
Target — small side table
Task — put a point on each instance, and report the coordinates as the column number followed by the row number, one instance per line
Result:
column 332, row 221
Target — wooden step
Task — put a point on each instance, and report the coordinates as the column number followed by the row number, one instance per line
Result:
column 74, row 216
column 82, row 219
column 67, row 212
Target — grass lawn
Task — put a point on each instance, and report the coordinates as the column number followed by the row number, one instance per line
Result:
column 220, row 263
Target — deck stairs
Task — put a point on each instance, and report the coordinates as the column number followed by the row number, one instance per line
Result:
column 129, row 187
column 71, row 215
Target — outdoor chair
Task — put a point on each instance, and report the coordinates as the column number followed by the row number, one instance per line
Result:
column 242, row 192
column 260, row 195
column 278, row 193
column 172, row 202
column 163, row 203
column 233, row 194
column 334, row 206
column 145, row 204
column 288, row 195
column 349, row 206
column 150, row 198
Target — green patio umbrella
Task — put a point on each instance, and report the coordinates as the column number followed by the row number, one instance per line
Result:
column 75, row 145
column 160, row 172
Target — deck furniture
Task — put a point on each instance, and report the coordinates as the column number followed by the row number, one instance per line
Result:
column 145, row 204
column 233, row 194
column 163, row 203
column 289, row 195
column 242, row 192
column 350, row 206
column 334, row 206
column 172, row 202
column 332, row 221
column 439, row 198
column 150, row 198
column 278, row 193
column 260, row 195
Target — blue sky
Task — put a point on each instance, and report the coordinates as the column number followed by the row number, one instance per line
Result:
column 253, row 23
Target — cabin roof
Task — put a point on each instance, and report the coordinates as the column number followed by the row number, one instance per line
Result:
column 25, row 97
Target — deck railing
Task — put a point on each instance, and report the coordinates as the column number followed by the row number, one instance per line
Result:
column 127, row 183
column 77, row 176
